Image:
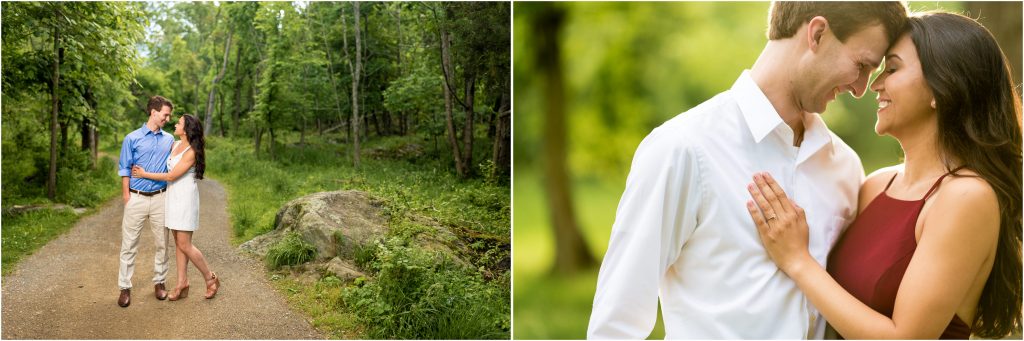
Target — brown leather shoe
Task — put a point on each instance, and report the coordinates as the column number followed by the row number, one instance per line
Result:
column 159, row 291
column 125, row 299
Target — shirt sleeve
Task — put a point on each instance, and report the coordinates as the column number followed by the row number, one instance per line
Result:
column 655, row 217
column 124, row 163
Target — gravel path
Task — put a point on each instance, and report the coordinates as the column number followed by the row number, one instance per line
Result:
column 68, row 288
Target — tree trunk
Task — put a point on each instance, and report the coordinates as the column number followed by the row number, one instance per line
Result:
column 378, row 124
column 257, row 135
column 330, row 70
column 220, row 115
column 270, row 146
column 64, row 123
column 237, row 105
column 89, row 139
column 302, row 134
column 208, row 121
column 446, row 66
column 51, row 180
column 355, row 89
column 502, row 151
column 467, row 127
column 571, row 253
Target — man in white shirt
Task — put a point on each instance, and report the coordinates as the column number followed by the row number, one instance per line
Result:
column 682, row 232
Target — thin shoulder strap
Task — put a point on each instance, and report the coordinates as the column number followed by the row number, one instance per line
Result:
column 939, row 181
column 890, row 181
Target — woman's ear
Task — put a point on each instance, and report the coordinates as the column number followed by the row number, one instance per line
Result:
column 933, row 104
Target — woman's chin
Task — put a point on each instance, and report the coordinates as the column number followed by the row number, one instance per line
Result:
column 880, row 129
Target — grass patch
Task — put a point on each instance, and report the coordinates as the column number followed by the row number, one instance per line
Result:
column 291, row 250
column 322, row 301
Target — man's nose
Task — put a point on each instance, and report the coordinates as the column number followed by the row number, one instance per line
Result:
column 859, row 86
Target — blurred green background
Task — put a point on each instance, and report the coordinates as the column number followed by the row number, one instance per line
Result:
column 622, row 69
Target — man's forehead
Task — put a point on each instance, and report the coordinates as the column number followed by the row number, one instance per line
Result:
column 870, row 43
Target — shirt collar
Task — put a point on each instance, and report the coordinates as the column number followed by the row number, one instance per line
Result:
column 759, row 113
column 762, row 118
column 146, row 129
column 816, row 136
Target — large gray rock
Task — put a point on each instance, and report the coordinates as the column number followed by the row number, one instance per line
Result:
column 341, row 223
column 336, row 223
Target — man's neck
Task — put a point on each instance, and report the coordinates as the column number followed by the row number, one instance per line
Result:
column 773, row 72
column 152, row 126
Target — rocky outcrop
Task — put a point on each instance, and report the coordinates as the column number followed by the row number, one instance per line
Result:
column 336, row 223
column 341, row 223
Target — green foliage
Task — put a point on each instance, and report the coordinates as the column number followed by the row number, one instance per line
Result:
column 418, row 296
column 80, row 187
column 290, row 250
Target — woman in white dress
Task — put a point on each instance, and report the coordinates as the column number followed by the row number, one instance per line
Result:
column 186, row 163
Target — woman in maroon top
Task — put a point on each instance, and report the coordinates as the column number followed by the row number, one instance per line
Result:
column 936, row 248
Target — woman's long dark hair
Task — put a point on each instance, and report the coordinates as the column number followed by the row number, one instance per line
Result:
column 979, row 124
column 194, row 131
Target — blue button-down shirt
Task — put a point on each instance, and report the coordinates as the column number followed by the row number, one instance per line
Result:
column 149, row 150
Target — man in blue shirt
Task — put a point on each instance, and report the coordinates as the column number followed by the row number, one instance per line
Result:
column 148, row 147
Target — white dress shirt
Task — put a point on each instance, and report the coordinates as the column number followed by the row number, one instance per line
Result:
column 683, row 234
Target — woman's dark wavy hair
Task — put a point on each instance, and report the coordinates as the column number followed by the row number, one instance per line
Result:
column 979, row 123
column 194, row 131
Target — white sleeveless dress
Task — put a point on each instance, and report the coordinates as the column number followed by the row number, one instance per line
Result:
column 181, row 208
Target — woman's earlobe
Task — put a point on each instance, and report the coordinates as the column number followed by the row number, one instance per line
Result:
column 933, row 104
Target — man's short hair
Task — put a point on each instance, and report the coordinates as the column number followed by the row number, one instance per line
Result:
column 157, row 103
column 844, row 17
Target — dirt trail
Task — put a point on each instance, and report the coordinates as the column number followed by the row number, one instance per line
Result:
column 68, row 288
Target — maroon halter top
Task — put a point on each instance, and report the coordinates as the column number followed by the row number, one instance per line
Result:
column 870, row 259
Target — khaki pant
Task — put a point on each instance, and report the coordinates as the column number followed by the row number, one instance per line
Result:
column 138, row 208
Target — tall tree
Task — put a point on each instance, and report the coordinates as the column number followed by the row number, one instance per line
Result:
column 446, row 67
column 208, row 120
column 330, row 71
column 355, row 88
column 51, row 182
column 571, row 253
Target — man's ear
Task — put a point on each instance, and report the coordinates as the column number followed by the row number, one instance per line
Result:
column 815, row 31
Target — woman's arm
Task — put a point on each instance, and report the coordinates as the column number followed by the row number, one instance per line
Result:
column 186, row 162
column 960, row 235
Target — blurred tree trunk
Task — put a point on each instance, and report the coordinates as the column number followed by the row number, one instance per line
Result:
column 571, row 253
column 1003, row 19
